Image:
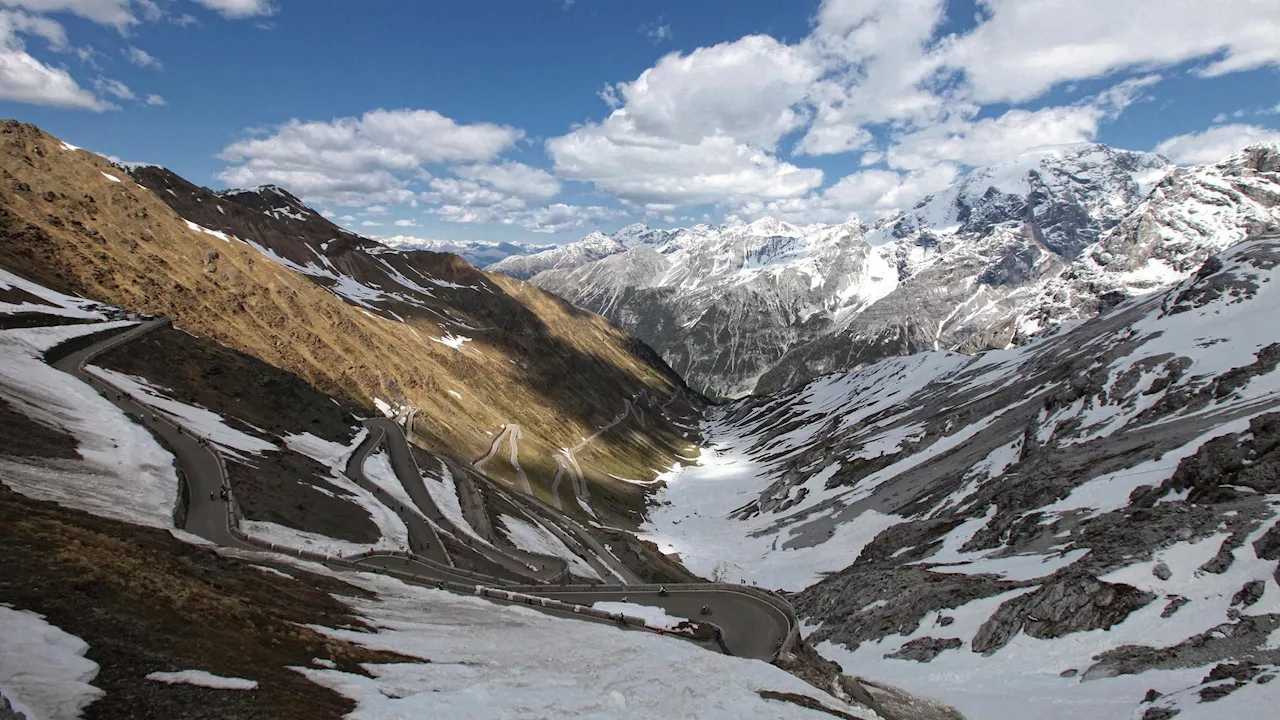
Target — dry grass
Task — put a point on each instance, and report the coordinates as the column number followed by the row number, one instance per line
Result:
column 64, row 224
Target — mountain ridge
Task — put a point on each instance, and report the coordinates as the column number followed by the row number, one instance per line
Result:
column 1006, row 251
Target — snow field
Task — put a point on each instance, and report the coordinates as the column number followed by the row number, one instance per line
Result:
column 43, row 671
column 200, row 678
column 537, row 539
column 123, row 473
column 490, row 661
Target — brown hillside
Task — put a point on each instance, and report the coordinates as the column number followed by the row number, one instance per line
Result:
column 557, row 371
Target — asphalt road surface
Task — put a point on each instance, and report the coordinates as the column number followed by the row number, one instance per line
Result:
column 206, row 518
column 752, row 627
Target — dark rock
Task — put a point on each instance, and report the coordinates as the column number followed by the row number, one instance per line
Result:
column 1152, row 695
column 1250, row 593
column 1072, row 672
column 1160, row 713
column 925, row 649
column 1174, row 605
column 1162, row 571
column 1061, row 606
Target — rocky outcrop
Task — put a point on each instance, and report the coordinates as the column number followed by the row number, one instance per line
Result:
column 925, row 649
column 1061, row 606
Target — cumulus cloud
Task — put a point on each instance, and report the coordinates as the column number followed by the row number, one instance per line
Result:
column 559, row 217
column 643, row 168
column 748, row 90
column 406, row 223
column 361, row 161
column 239, row 9
column 697, row 128
column 1214, row 144
column 1025, row 47
column 156, row 100
column 513, row 178
column 876, row 67
column 862, row 195
column 27, row 80
column 117, row 13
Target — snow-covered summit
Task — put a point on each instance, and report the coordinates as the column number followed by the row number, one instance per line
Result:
column 1012, row 248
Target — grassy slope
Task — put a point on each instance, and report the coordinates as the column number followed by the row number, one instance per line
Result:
column 64, row 224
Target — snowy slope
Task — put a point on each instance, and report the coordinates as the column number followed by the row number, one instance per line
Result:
column 593, row 247
column 1102, row 503
column 43, row 670
column 491, row 661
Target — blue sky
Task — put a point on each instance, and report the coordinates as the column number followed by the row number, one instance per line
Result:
column 540, row 120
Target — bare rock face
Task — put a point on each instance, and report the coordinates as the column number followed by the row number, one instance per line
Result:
column 925, row 649
column 1059, row 607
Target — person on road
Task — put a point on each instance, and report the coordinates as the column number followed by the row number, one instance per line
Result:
column 706, row 609
column 211, row 495
column 662, row 590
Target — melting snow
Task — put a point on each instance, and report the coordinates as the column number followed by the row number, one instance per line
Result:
column 521, row 663
column 200, row 678
column 454, row 341
column 43, row 671
column 122, row 472
column 537, row 539
column 112, row 178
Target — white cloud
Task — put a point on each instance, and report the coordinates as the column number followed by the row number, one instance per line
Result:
column 376, row 210
column 361, row 161
column 117, row 13
column 747, row 90
column 963, row 141
column 371, row 223
column 644, row 168
column 156, row 100
column 142, row 58
column 993, row 139
column 471, row 194
column 1215, row 144
column 1025, row 47
column 406, row 223
column 865, row 195
column 513, row 178
column 115, row 88
column 875, row 59
column 563, row 218
column 238, row 9
column 27, row 80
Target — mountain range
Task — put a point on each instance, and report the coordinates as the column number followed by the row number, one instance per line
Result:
column 1053, row 235
column 1015, row 450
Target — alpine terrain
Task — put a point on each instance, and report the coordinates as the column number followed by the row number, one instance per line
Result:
column 1082, row 525
column 255, row 465
column 1056, row 234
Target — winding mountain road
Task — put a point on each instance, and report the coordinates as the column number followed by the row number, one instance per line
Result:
column 200, row 465
column 753, row 626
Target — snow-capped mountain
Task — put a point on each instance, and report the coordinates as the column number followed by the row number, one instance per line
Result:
column 981, row 285
column 477, row 252
column 593, row 247
column 1005, row 252
column 1081, row 526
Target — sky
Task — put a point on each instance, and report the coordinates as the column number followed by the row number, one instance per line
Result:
column 541, row 120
